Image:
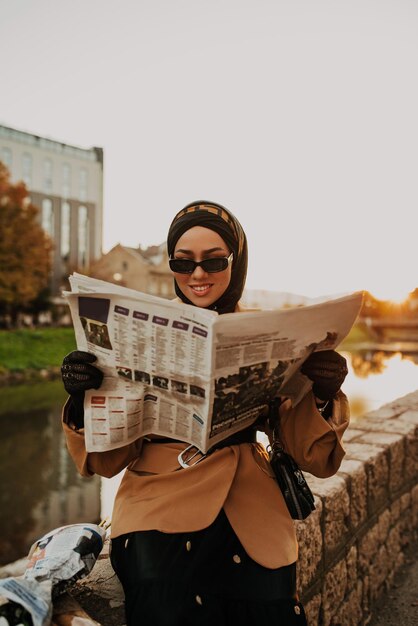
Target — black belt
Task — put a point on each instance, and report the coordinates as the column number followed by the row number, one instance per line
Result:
column 248, row 435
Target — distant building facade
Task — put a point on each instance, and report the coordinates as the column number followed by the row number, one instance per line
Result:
column 143, row 269
column 66, row 183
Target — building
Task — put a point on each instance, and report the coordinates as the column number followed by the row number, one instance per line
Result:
column 143, row 269
column 66, row 183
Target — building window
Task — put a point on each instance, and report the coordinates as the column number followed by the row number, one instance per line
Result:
column 65, row 230
column 6, row 157
column 66, row 181
column 47, row 176
column 83, row 236
column 27, row 169
column 83, row 184
column 48, row 217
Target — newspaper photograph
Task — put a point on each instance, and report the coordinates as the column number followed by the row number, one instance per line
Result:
column 187, row 373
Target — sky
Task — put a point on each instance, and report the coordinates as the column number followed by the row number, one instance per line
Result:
column 300, row 116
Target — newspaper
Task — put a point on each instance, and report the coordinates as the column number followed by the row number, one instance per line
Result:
column 56, row 560
column 184, row 372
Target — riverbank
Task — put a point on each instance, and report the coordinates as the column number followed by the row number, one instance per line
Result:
column 31, row 355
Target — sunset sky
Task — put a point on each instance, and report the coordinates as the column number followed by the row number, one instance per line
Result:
column 298, row 115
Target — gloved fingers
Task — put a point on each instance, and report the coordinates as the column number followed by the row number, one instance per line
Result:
column 320, row 372
column 79, row 356
column 322, row 363
column 325, row 355
column 84, row 369
column 80, row 377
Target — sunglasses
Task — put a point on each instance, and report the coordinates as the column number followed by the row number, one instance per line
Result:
column 211, row 266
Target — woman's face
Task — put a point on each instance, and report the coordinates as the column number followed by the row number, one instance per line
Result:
column 200, row 287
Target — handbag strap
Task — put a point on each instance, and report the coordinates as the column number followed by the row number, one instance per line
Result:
column 273, row 421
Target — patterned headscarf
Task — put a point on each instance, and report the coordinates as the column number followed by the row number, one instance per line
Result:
column 217, row 218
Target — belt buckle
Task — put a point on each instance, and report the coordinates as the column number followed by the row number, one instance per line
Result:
column 185, row 462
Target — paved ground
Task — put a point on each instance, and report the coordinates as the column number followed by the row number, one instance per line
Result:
column 400, row 605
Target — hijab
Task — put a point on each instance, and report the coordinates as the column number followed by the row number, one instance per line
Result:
column 217, row 218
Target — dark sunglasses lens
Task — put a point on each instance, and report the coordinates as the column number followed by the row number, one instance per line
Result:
column 187, row 266
column 182, row 266
column 214, row 265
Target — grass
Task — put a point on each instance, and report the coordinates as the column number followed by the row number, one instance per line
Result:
column 38, row 349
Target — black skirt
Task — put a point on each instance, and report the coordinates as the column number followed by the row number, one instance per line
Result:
column 202, row 578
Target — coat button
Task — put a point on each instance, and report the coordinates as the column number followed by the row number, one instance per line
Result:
column 236, row 558
column 199, row 600
column 297, row 609
column 188, row 546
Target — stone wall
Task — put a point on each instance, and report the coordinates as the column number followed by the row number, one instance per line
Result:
column 352, row 546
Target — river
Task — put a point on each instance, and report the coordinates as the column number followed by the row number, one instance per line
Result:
column 40, row 488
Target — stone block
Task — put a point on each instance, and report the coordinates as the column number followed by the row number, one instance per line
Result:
column 312, row 609
column 352, row 433
column 395, row 511
column 386, row 411
column 377, row 480
column 406, row 517
column 394, row 547
column 414, row 511
column 405, row 502
column 409, row 401
column 409, row 417
column 411, row 458
column 352, row 570
column 397, row 461
column 333, row 593
column 377, row 438
column 383, row 526
column 309, row 536
column 336, row 509
column 368, row 547
column 360, row 451
column 379, row 571
column 388, row 426
column 354, row 473
column 366, row 595
column 350, row 613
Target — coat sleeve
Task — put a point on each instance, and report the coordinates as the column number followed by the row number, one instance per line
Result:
column 105, row 464
column 313, row 441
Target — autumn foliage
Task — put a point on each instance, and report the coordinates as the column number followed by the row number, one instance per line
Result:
column 25, row 249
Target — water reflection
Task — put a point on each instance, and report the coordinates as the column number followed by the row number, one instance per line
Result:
column 378, row 376
column 40, row 488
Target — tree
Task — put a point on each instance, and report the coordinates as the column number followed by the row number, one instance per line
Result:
column 25, row 249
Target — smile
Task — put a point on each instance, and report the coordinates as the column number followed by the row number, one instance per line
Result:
column 201, row 290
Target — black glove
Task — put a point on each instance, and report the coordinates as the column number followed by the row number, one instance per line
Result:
column 327, row 370
column 78, row 375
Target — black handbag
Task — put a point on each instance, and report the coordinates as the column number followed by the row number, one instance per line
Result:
column 296, row 492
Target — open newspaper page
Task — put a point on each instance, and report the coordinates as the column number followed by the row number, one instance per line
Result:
column 179, row 371
column 258, row 356
column 156, row 359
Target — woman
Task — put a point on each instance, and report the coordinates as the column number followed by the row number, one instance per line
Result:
column 213, row 543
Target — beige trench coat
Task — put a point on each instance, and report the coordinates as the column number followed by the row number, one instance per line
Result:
column 155, row 493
